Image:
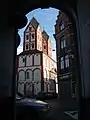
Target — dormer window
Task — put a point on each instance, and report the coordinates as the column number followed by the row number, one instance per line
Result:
column 62, row 25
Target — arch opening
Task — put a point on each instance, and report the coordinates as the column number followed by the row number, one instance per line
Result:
column 68, row 78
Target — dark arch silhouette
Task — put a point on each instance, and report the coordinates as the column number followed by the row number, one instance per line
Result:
column 71, row 12
column 36, row 69
column 19, row 73
column 30, row 71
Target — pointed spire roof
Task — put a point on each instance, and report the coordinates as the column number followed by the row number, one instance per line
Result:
column 34, row 22
column 45, row 35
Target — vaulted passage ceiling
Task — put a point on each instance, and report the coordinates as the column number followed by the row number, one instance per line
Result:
column 28, row 5
column 15, row 10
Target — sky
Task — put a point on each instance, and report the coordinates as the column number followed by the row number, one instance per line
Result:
column 47, row 19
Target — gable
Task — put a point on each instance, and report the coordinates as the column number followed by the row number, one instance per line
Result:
column 28, row 28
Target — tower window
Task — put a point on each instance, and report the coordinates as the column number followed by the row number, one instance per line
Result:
column 44, row 46
column 32, row 45
column 33, row 36
column 23, row 59
column 27, row 75
column 26, row 46
column 30, row 28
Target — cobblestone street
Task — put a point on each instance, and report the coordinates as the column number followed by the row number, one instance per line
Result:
column 58, row 110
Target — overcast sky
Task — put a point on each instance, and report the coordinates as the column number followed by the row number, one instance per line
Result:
column 46, row 18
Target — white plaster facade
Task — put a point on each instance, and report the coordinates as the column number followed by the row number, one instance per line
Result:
column 34, row 65
column 39, row 39
column 29, row 73
column 49, row 65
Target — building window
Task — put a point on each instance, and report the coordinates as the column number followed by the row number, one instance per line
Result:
column 26, row 46
column 44, row 46
column 62, row 25
column 32, row 46
column 30, row 28
column 66, row 61
column 63, row 43
column 27, row 37
column 23, row 59
column 62, row 62
column 33, row 36
column 27, row 75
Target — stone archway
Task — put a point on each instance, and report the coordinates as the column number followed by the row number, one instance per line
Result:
column 19, row 20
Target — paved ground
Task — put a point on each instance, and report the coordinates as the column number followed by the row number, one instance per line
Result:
column 59, row 108
column 73, row 114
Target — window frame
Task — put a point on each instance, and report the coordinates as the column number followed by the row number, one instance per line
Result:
column 63, row 43
column 23, row 60
column 33, row 46
column 27, row 75
column 29, row 28
column 27, row 45
column 62, row 62
column 67, row 61
column 62, row 25
column 33, row 36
